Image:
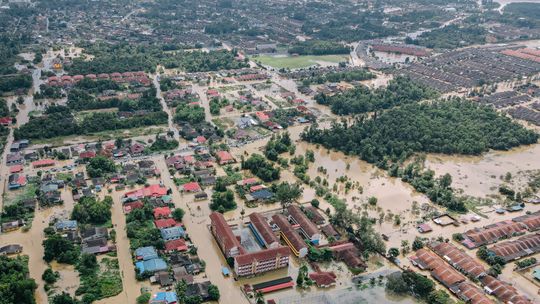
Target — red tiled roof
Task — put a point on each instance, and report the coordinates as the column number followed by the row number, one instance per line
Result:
column 224, row 156
column 262, row 255
column 43, row 163
column 521, row 247
column 179, row 245
column 5, row 120
column 459, row 258
column 471, row 294
column 493, row 233
column 87, row 154
column 256, row 188
column 276, row 287
column 287, row 230
column 323, row 278
column 532, row 221
column 16, row 169
column 132, row 205
column 260, row 223
column 191, row 187
column 164, row 223
column 150, row 191
column 305, row 223
column 224, row 234
column 503, row 291
column 249, row 181
column 441, row 271
column 162, row 212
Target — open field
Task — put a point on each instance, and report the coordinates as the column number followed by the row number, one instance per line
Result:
column 297, row 62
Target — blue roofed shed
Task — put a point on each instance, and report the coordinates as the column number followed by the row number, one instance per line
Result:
column 153, row 265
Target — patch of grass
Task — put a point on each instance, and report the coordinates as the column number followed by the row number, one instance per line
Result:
column 297, row 62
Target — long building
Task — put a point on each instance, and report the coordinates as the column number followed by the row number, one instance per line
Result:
column 517, row 249
column 441, row 271
column 459, row 259
column 532, row 221
column 263, row 231
column 246, row 263
column 308, row 228
column 261, row 261
column 290, row 236
column 492, row 233
column 225, row 238
column 503, row 291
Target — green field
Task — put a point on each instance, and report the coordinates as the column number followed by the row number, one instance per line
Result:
column 297, row 62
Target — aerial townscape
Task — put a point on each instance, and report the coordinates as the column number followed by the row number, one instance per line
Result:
column 269, row 151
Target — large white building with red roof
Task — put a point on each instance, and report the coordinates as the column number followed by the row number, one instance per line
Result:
column 247, row 263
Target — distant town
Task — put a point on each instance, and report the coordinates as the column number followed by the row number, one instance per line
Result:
column 226, row 151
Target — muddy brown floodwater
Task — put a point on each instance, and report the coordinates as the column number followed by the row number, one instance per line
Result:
column 480, row 175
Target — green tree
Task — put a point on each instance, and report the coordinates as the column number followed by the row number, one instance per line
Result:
column 213, row 292
column 287, row 193
column 99, row 166
column 178, row 214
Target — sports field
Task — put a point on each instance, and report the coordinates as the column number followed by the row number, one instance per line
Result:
column 297, row 62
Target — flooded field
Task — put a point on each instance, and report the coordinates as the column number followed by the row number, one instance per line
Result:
column 481, row 175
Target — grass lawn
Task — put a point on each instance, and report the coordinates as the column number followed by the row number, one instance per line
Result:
column 297, row 62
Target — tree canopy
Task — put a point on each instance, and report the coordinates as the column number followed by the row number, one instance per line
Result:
column 400, row 91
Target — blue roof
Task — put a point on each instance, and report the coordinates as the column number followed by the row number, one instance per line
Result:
column 169, row 297
column 225, row 271
column 262, row 194
column 172, row 233
column 146, row 253
column 152, row 265
column 66, row 224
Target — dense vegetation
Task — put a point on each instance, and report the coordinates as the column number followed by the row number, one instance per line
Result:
column 60, row 249
column 98, row 281
column 452, row 36
column 450, row 127
column 318, row 47
column 141, row 230
column 13, row 83
column 261, row 168
column 400, row 91
column 223, row 201
column 90, row 210
column 81, row 99
column 100, row 166
column 354, row 75
column 125, row 58
column 418, row 286
column 17, row 286
column 189, row 113
column 59, row 121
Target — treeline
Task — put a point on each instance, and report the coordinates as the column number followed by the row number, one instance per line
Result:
column 59, row 121
column 451, row 126
column 8, row 84
column 318, row 47
column 128, row 58
column 452, row 36
column 80, row 100
column 17, row 286
column 354, row 75
column 400, row 91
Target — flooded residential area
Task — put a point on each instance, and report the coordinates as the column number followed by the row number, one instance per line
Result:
column 263, row 152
